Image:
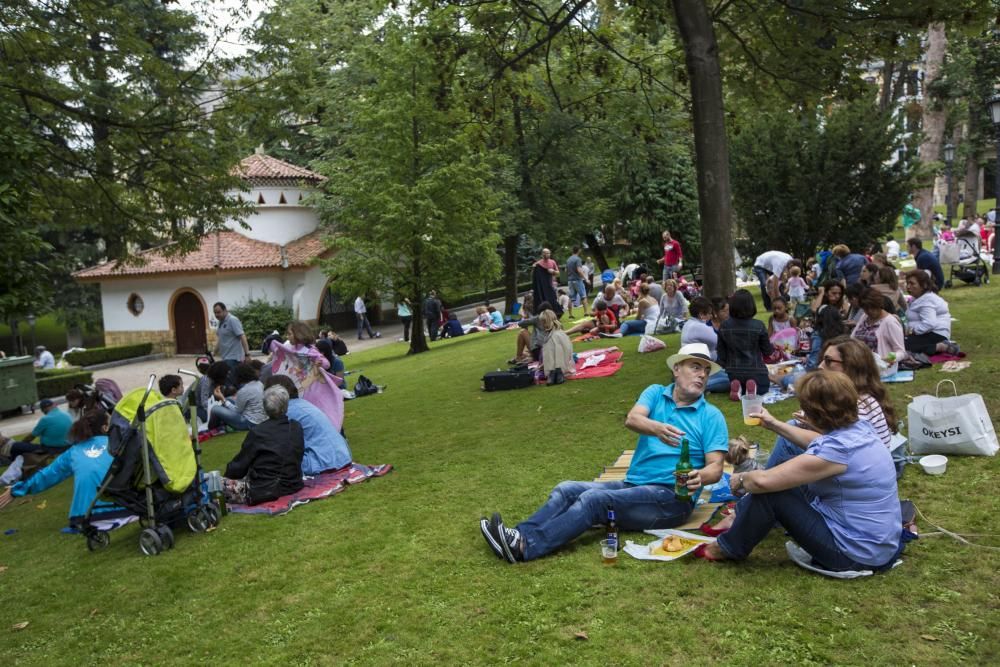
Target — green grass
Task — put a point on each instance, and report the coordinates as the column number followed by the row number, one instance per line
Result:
column 395, row 571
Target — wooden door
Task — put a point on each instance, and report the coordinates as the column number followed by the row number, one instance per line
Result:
column 189, row 324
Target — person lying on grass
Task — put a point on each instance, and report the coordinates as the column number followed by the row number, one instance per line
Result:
column 645, row 499
column 86, row 461
column 838, row 499
column 269, row 464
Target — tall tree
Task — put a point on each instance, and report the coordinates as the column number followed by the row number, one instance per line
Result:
column 934, row 118
column 115, row 92
column 408, row 203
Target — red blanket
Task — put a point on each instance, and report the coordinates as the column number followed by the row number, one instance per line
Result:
column 609, row 365
column 321, row 486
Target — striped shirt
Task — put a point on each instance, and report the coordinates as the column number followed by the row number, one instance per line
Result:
column 870, row 411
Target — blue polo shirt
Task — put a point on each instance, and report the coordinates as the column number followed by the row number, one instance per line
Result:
column 705, row 428
column 52, row 429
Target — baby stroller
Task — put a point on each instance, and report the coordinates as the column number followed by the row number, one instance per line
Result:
column 965, row 261
column 156, row 473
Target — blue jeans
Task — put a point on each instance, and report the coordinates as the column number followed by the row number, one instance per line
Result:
column 756, row 514
column 578, row 292
column 574, row 507
column 632, row 327
column 815, row 345
column 783, row 450
column 229, row 417
column 718, row 383
column 762, row 276
column 669, row 270
column 363, row 324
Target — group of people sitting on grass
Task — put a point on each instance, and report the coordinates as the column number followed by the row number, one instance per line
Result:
column 830, row 482
column 293, row 418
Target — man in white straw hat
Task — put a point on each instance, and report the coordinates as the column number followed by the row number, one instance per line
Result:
column 663, row 416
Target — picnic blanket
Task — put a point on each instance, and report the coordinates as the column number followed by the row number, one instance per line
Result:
column 942, row 357
column 320, row 486
column 597, row 363
column 586, row 338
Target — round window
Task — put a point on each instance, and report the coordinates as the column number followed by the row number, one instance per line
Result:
column 135, row 304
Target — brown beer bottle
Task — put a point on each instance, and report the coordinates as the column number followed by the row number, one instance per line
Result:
column 681, row 472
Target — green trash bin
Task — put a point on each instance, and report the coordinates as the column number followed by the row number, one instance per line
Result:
column 17, row 383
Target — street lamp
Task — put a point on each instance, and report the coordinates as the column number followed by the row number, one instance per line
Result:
column 993, row 104
column 30, row 319
column 949, row 157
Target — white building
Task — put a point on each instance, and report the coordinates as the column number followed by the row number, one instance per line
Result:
column 168, row 301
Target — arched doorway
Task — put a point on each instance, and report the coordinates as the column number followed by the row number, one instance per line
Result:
column 333, row 314
column 189, row 323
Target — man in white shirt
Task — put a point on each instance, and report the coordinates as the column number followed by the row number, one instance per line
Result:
column 44, row 358
column 772, row 262
column 361, row 313
column 892, row 249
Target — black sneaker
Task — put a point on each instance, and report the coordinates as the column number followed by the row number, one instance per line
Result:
column 497, row 529
column 494, row 544
column 512, row 536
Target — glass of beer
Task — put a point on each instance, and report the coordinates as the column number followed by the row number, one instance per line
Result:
column 609, row 552
column 752, row 403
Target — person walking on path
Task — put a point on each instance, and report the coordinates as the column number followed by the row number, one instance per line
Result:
column 361, row 313
column 405, row 317
column 432, row 314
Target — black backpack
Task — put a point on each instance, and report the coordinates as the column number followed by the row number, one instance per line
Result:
column 364, row 387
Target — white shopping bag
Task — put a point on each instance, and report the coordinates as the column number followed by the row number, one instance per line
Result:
column 951, row 424
column 650, row 344
column 950, row 253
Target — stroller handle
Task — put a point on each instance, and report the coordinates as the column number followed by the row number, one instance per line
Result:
column 186, row 372
column 141, row 412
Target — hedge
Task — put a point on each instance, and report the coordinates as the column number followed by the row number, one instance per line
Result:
column 101, row 355
column 56, row 382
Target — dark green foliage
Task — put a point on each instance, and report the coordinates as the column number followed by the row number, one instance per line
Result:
column 260, row 317
column 57, row 381
column 102, row 355
column 813, row 179
column 658, row 194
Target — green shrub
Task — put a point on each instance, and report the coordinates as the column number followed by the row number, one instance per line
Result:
column 101, row 355
column 57, row 381
column 260, row 317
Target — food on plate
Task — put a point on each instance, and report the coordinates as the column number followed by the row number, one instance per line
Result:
column 672, row 545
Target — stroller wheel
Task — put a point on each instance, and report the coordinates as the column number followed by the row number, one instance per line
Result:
column 98, row 540
column 211, row 515
column 166, row 536
column 196, row 521
column 149, row 542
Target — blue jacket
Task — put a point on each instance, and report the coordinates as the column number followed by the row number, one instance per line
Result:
column 87, row 462
column 325, row 448
column 849, row 267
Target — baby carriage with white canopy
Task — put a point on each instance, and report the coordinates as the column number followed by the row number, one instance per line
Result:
column 156, row 472
column 965, row 260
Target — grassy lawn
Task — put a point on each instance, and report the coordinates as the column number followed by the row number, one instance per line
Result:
column 395, row 571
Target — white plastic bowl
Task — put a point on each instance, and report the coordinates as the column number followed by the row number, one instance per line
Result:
column 934, row 464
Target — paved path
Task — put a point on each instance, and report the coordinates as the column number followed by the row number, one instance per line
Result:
column 130, row 376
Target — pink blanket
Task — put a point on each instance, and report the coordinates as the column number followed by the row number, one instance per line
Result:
column 321, row 486
column 942, row 357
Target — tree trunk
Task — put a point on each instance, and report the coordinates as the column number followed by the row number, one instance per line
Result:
column 597, row 251
column 711, row 146
column 933, row 122
column 970, row 193
column 418, row 343
column 510, row 244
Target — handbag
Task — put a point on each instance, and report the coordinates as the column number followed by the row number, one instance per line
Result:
column 951, row 424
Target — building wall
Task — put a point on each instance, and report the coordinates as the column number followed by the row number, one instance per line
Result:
column 273, row 222
column 156, row 294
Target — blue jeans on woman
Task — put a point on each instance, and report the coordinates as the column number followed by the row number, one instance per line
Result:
column 229, row 417
column 756, row 514
column 718, row 383
column 632, row 327
column 574, row 507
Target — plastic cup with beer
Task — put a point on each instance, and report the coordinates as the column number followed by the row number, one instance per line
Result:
column 752, row 404
column 609, row 552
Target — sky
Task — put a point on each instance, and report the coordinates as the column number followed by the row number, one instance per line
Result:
column 220, row 13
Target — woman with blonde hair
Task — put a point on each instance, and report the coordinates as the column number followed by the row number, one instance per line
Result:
column 557, row 350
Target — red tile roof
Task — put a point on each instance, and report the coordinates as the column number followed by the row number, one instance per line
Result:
column 260, row 166
column 220, row 251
